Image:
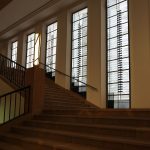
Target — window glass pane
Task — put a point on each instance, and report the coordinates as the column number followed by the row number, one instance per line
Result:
column 118, row 53
column 14, row 48
column 79, row 50
column 30, row 50
column 51, row 49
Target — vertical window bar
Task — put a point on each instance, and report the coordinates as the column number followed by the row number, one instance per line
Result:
column 79, row 51
column 118, row 80
column 51, row 44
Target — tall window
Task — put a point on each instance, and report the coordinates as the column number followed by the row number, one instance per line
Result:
column 51, row 49
column 79, row 51
column 118, row 54
column 30, row 50
column 14, row 48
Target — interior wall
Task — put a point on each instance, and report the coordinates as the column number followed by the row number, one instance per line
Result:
column 4, row 47
column 139, row 22
column 61, row 48
column 4, row 87
column 140, row 53
column 96, row 53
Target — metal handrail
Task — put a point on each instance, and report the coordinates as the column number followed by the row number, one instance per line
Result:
column 9, row 93
column 67, row 75
column 14, row 104
column 12, row 71
column 13, row 61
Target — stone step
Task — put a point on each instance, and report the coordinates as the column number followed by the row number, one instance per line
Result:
column 84, row 139
column 36, row 143
column 99, row 120
column 62, row 99
column 56, row 90
column 99, row 130
column 62, row 105
column 57, row 93
column 53, row 95
column 6, row 146
column 100, row 112
column 49, row 107
column 63, row 92
column 77, row 112
column 60, row 102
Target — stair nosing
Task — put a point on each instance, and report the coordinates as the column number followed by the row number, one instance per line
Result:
column 91, row 137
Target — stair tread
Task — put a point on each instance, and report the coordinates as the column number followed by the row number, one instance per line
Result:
column 68, row 107
column 69, row 122
column 60, row 145
column 93, row 125
column 66, row 102
column 86, row 136
column 94, row 117
column 6, row 146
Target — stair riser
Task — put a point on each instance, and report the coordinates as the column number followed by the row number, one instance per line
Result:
column 58, row 95
column 25, row 144
column 68, row 108
column 60, row 98
column 65, row 99
column 59, row 103
column 56, row 90
column 65, row 104
column 96, row 121
column 78, row 112
column 80, row 140
column 66, row 112
column 93, row 130
column 95, row 112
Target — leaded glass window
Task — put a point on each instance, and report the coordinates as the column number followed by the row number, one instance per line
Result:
column 30, row 50
column 118, row 93
column 51, row 49
column 79, row 51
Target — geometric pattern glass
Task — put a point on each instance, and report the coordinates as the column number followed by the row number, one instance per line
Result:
column 118, row 88
column 79, row 51
column 51, row 44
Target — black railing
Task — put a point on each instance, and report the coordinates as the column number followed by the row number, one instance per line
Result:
column 71, row 78
column 14, row 104
column 12, row 71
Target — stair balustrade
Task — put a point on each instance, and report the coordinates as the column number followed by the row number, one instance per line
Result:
column 14, row 104
column 12, row 71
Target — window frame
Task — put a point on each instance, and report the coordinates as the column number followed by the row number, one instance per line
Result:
column 28, row 49
column 46, row 40
column 13, row 49
column 71, row 86
column 129, row 58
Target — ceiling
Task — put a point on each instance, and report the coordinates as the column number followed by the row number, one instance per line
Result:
column 3, row 3
column 26, row 16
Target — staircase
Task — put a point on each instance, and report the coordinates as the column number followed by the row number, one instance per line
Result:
column 68, row 122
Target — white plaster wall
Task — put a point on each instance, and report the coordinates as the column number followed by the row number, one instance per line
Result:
column 4, row 87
